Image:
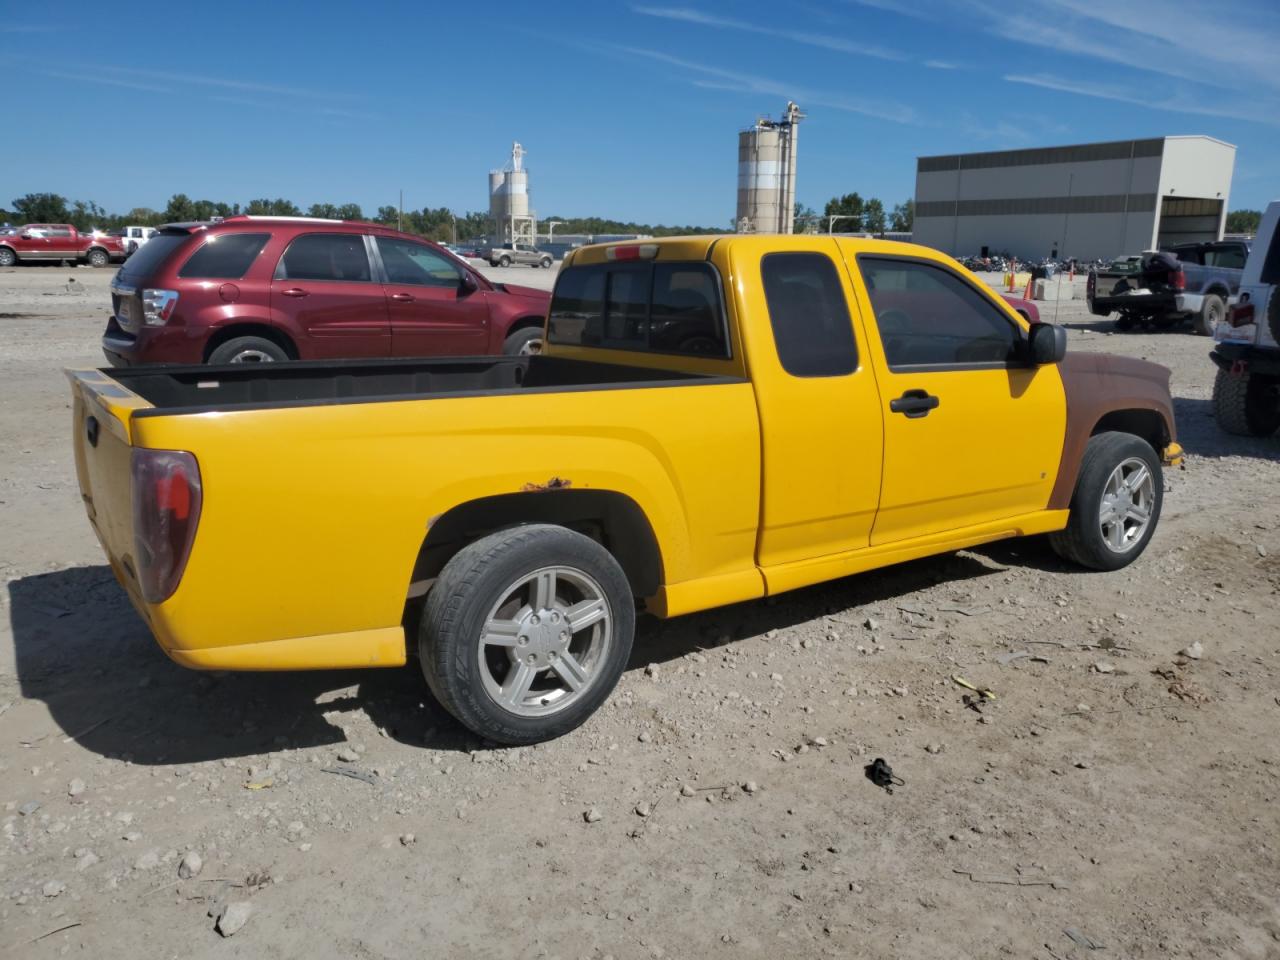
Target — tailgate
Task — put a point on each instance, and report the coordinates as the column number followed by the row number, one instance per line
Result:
column 101, row 435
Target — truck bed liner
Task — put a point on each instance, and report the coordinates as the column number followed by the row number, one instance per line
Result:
column 183, row 389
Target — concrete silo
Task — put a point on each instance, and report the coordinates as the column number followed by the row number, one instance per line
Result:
column 767, row 174
column 513, row 220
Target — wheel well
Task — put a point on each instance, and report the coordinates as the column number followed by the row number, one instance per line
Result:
column 97, row 247
column 266, row 331
column 612, row 519
column 1147, row 424
column 1219, row 291
column 524, row 323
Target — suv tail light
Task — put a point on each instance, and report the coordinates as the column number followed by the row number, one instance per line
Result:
column 157, row 306
column 166, row 508
column 1178, row 279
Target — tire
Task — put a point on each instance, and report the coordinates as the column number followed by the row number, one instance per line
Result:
column 1083, row 541
column 1212, row 312
column 1246, row 405
column 469, row 677
column 248, row 350
column 1125, row 321
column 523, row 342
column 504, row 261
column 1273, row 314
column 97, row 257
column 8, row 258
column 545, row 263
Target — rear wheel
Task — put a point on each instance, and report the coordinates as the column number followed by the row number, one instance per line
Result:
column 7, row 257
column 504, row 261
column 1212, row 312
column 98, row 257
column 524, row 342
column 526, row 632
column 1246, row 404
column 545, row 263
column 1116, row 503
column 1126, row 321
column 248, row 350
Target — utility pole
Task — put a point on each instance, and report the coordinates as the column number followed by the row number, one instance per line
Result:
column 453, row 220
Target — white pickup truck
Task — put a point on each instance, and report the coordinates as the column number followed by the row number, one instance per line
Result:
column 1246, row 393
column 135, row 237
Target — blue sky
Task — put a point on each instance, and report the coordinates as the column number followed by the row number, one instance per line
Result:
column 627, row 110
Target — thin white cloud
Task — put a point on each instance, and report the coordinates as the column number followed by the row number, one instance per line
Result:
column 102, row 81
column 225, row 83
column 823, row 41
column 915, row 12
column 30, row 28
column 1177, row 103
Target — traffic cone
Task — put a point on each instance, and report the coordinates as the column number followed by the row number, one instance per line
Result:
column 1026, row 294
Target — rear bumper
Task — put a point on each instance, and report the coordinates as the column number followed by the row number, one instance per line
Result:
column 1189, row 302
column 150, row 345
column 1143, row 303
column 1245, row 358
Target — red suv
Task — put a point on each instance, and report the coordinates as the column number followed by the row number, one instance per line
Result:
column 253, row 289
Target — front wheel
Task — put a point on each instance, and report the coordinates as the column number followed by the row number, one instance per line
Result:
column 504, row 261
column 545, row 263
column 1246, row 405
column 526, row 633
column 523, row 343
column 1116, row 503
column 7, row 257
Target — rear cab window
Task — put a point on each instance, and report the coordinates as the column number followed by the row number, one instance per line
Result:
column 672, row 307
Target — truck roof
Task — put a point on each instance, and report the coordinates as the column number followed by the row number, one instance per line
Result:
column 699, row 247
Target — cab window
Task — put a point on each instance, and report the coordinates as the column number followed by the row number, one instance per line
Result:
column 930, row 317
column 809, row 315
column 325, row 256
column 415, row 263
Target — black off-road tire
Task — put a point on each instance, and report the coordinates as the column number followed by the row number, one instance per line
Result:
column 1246, row 405
column 467, row 589
column 248, row 350
column 1081, row 542
column 516, row 343
column 1212, row 312
column 97, row 257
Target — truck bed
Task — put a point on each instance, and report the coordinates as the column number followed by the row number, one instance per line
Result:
column 183, row 389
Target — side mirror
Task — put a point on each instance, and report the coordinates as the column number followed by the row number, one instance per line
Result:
column 1047, row 343
column 468, row 283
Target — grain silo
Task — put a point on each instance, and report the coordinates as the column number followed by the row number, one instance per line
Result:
column 513, row 221
column 767, row 174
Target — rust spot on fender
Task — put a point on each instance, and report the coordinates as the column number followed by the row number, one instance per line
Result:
column 555, row 483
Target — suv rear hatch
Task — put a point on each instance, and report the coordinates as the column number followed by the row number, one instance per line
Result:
column 135, row 275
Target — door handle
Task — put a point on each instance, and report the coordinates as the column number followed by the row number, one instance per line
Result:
column 914, row 404
column 403, row 297
column 293, row 292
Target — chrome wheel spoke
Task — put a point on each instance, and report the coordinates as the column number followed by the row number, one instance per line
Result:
column 1115, row 535
column 544, row 590
column 500, row 633
column 1138, row 512
column 584, row 614
column 1128, row 501
column 519, row 680
column 1136, row 479
column 570, row 671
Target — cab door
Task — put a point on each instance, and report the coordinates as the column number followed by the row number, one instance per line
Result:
column 433, row 312
column 324, row 294
column 972, row 432
column 820, row 423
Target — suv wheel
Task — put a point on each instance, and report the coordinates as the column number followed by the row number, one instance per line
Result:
column 1116, row 503
column 526, row 632
column 504, row 261
column 1246, row 405
column 545, row 263
column 248, row 350
column 523, row 343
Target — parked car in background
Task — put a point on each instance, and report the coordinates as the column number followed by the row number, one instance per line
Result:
column 509, row 253
column 254, row 289
column 760, row 414
column 1163, row 288
column 135, row 237
column 57, row 242
column 1246, row 390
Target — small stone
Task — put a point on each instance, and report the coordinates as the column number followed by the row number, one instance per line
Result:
column 191, row 865
column 933, row 748
column 148, row 861
column 1193, row 652
column 85, row 859
column 645, row 737
column 53, row 888
column 750, row 786
column 807, row 643
column 871, row 623
column 28, row 808
column 233, row 918
column 593, row 816
column 304, row 847
column 1083, row 708
column 775, row 677
column 407, row 839
column 687, row 791
column 899, row 691
column 348, row 755
column 651, row 671
column 133, row 836
column 643, row 809
column 1262, row 551
column 1102, row 666
column 819, row 741
column 75, row 787
column 850, row 691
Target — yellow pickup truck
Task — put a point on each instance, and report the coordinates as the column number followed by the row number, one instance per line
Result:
column 712, row 420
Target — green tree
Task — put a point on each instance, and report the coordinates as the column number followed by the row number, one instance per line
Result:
column 84, row 215
column 323, row 211
column 278, row 207
column 41, row 208
column 1243, row 221
column 873, row 219
column 806, row 219
column 388, row 215
column 903, row 216
column 180, row 209
column 849, row 208
column 142, row 217
column 349, row 211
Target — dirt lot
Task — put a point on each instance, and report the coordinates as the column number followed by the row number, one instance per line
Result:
column 1112, row 789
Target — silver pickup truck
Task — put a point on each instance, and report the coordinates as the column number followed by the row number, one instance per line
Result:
column 509, row 253
column 1163, row 288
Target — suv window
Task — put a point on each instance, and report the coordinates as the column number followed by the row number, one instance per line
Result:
column 416, row 263
column 225, row 256
column 929, row 316
column 325, row 256
column 809, row 315
column 151, row 255
column 651, row 307
column 1230, row 257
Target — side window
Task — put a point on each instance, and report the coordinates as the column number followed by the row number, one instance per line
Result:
column 59, row 231
column 1232, row 257
column 928, row 316
column 225, row 256
column 416, row 263
column 325, row 256
column 577, row 308
column 809, row 315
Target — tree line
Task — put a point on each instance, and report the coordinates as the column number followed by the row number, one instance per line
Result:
column 855, row 215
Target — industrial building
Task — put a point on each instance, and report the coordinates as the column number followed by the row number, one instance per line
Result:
column 767, row 174
column 1094, row 200
column 512, row 218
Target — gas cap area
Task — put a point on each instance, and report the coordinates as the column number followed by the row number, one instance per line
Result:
column 229, row 292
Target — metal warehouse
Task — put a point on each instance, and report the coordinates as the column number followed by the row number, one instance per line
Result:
column 1094, row 200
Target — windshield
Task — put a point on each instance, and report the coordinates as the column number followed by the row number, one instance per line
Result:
column 151, row 255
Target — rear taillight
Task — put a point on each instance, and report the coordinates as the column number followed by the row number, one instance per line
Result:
column 166, row 508
column 1242, row 315
column 1178, row 280
column 631, row 251
column 157, row 306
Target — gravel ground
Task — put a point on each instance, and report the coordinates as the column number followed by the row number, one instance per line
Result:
column 1114, row 791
